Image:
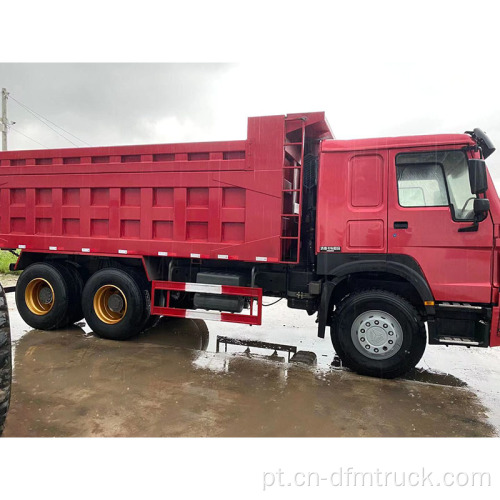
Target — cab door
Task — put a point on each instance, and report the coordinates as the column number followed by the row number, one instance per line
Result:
column 429, row 201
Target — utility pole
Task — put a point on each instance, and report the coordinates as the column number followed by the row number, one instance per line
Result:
column 4, row 119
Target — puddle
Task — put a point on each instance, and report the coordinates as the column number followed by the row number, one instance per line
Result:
column 171, row 382
column 431, row 377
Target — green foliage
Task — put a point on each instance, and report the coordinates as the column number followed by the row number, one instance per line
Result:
column 5, row 259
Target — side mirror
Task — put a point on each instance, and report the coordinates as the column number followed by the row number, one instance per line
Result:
column 481, row 208
column 477, row 176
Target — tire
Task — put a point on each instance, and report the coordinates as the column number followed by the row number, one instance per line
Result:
column 44, row 295
column 116, row 304
column 75, row 312
column 378, row 333
column 5, row 360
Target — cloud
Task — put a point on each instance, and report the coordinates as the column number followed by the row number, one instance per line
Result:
column 109, row 103
column 106, row 104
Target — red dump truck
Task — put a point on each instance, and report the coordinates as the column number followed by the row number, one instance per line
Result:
column 379, row 237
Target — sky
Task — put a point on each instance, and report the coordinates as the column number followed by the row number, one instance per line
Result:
column 109, row 104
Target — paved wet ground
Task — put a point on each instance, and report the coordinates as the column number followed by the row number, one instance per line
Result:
column 165, row 383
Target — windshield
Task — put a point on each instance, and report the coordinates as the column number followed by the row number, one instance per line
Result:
column 436, row 178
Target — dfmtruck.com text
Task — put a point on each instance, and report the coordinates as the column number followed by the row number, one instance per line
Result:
column 350, row 476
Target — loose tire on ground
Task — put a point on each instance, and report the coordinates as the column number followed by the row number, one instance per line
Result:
column 116, row 303
column 5, row 360
column 378, row 333
column 45, row 293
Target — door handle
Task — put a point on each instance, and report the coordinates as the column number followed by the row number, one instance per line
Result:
column 400, row 225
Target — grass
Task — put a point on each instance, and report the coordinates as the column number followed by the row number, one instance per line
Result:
column 5, row 259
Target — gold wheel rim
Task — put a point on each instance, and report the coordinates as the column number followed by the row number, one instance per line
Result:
column 32, row 296
column 102, row 307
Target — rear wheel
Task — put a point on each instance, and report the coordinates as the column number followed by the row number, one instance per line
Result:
column 5, row 360
column 45, row 293
column 378, row 333
column 115, row 304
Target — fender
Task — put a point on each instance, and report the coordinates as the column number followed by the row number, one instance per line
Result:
column 342, row 271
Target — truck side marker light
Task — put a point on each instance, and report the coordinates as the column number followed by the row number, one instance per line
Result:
column 261, row 259
column 123, row 252
column 429, row 303
column 163, row 254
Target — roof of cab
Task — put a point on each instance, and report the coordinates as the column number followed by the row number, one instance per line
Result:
column 415, row 141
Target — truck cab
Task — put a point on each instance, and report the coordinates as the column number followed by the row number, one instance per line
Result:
column 417, row 216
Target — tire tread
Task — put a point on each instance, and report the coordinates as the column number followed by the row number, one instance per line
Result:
column 419, row 344
column 5, row 360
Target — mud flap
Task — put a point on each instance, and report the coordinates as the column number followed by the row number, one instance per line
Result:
column 324, row 306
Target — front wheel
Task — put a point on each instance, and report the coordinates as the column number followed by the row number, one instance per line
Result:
column 378, row 333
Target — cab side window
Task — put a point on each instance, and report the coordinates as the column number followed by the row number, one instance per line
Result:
column 422, row 185
column 436, row 179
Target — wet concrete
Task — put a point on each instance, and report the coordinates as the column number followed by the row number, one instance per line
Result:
column 164, row 383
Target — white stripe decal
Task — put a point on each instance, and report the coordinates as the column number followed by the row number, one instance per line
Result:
column 52, row 248
column 195, row 255
column 21, row 246
column 213, row 315
column 163, row 254
column 86, row 250
column 203, row 288
column 261, row 259
column 124, row 252
column 225, row 257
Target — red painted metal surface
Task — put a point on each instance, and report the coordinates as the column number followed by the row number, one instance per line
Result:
column 220, row 200
column 357, row 183
column 457, row 265
column 254, row 317
column 381, row 143
column 495, row 327
column 241, row 200
column 353, row 187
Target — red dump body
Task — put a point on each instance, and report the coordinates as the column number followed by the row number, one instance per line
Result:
column 219, row 200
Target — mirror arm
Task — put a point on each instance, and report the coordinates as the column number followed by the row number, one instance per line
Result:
column 470, row 229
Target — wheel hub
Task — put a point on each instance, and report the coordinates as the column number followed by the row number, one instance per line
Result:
column 39, row 296
column 110, row 304
column 115, row 302
column 377, row 334
column 45, row 295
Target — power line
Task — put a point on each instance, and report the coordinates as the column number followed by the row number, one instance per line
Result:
column 44, row 120
column 27, row 136
column 46, row 124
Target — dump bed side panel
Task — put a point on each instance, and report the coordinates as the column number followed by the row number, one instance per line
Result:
column 208, row 200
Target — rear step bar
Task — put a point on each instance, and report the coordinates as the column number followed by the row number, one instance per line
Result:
column 253, row 318
column 458, row 341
